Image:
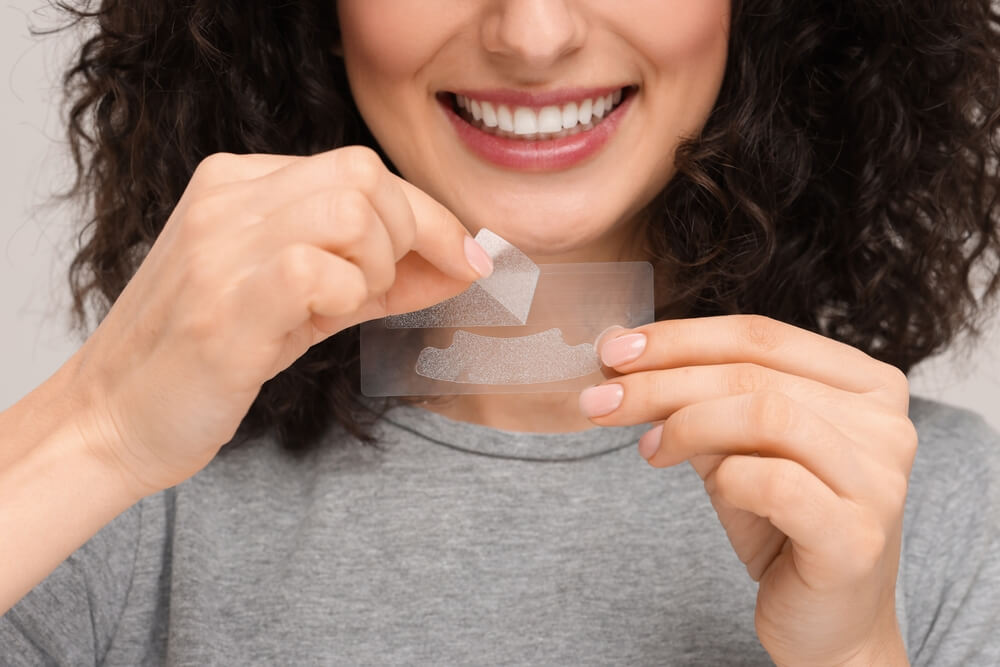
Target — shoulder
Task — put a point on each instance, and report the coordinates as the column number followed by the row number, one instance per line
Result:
column 953, row 501
column 954, row 444
column 951, row 538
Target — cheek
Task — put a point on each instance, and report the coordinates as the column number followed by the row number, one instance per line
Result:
column 670, row 32
column 392, row 38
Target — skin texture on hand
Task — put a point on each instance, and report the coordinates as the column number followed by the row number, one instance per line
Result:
column 263, row 257
column 805, row 449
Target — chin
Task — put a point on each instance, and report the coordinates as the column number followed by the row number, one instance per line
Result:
column 552, row 239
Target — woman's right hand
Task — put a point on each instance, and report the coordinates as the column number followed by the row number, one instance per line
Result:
column 263, row 257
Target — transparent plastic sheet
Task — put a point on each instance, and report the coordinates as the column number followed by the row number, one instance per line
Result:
column 528, row 328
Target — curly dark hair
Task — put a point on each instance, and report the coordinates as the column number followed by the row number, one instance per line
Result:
column 844, row 183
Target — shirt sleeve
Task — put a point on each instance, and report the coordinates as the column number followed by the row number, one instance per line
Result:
column 952, row 544
column 70, row 617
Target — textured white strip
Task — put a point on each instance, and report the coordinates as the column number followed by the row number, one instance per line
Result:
column 474, row 359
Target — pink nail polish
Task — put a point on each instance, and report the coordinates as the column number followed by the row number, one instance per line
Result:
column 623, row 349
column 601, row 400
column 649, row 443
column 477, row 257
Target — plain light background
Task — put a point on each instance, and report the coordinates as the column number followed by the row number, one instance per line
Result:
column 36, row 238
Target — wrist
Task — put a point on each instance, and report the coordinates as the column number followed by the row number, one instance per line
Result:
column 885, row 649
column 55, row 425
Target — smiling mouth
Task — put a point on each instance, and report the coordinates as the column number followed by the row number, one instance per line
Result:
column 537, row 123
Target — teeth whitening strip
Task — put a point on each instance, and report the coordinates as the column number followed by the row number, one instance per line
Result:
column 501, row 300
column 526, row 328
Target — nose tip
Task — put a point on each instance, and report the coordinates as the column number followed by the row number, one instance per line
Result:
column 535, row 32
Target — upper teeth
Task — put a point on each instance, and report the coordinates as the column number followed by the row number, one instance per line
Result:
column 546, row 120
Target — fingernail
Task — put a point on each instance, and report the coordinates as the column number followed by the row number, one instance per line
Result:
column 623, row 349
column 649, row 443
column 477, row 257
column 601, row 400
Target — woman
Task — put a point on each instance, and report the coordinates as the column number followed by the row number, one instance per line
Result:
column 814, row 183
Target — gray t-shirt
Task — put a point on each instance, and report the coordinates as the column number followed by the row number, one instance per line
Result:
column 461, row 544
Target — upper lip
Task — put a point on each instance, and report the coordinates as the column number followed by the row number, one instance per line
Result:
column 536, row 99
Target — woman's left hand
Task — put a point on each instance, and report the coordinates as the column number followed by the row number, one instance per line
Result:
column 805, row 448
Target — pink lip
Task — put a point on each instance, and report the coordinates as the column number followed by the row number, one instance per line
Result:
column 541, row 99
column 543, row 155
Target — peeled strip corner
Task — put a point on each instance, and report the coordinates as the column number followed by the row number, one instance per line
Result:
column 502, row 299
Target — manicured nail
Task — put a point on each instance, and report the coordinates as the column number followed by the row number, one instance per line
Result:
column 649, row 443
column 478, row 259
column 623, row 349
column 601, row 400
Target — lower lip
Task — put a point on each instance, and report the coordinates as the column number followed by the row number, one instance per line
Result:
column 547, row 155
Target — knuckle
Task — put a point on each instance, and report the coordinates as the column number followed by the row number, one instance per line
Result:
column 896, row 485
column 760, row 333
column 745, row 379
column 364, row 165
column 769, row 412
column 868, row 548
column 896, row 379
column 351, row 212
column 213, row 167
column 295, row 272
column 204, row 215
column 382, row 279
column 200, row 325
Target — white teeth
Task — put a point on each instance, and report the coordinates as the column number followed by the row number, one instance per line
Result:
column 598, row 107
column 504, row 120
column 489, row 115
column 550, row 119
column 569, row 116
column 525, row 121
column 545, row 123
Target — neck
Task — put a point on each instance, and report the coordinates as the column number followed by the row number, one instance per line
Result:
column 531, row 413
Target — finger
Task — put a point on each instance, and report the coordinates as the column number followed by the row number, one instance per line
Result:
column 414, row 219
column 754, row 339
column 337, row 220
column 443, row 240
column 797, row 502
column 651, row 395
column 835, row 541
column 418, row 285
column 297, row 284
column 353, row 167
column 225, row 168
column 769, row 424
